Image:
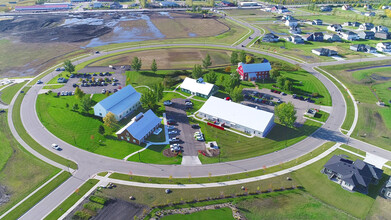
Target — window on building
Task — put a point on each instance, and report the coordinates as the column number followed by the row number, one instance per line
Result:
column 122, row 137
column 134, row 141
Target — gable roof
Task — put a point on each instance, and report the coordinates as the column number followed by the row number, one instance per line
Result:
column 119, row 101
column 198, row 86
column 141, row 125
column 357, row 172
column 237, row 113
column 255, row 67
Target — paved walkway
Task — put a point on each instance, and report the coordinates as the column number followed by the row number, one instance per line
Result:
column 191, row 160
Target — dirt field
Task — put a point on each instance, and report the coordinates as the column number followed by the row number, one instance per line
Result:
column 170, row 58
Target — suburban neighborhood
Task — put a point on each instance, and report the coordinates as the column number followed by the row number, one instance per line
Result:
column 195, row 109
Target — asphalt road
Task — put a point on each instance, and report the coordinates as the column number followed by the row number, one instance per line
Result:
column 90, row 164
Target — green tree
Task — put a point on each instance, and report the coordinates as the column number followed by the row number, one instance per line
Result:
column 206, row 62
column 148, row 100
column 101, row 130
column 249, row 59
column 189, row 3
column 69, row 67
column 237, row 94
column 286, row 114
column 280, row 82
column 158, row 89
column 86, row 103
column 143, row 3
column 154, row 66
column 211, row 3
column 75, row 107
column 211, row 77
column 288, row 85
column 275, row 73
column 242, row 56
column 66, row 105
column 197, row 71
column 232, row 82
column 109, row 120
column 136, row 64
column 234, row 58
column 79, row 93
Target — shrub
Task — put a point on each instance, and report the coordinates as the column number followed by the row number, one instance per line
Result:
column 81, row 215
column 98, row 200
column 315, row 94
column 93, row 206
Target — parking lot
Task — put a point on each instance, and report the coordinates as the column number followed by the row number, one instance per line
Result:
column 185, row 132
column 117, row 73
column 301, row 106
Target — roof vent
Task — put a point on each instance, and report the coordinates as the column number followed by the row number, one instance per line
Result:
column 200, row 80
column 139, row 116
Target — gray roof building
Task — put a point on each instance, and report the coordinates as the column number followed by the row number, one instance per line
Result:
column 387, row 189
column 270, row 37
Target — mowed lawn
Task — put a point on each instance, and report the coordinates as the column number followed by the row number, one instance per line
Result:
column 154, row 154
column 8, row 93
column 215, row 214
column 235, row 147
column 81, row 129
column 295, row 205
column 318, row 185
column 20, row 171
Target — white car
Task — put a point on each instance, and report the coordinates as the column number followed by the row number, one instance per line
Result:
column 197, row 133
column 171, row 127
column 55, row 147
column 199, row 138
column 172, row 132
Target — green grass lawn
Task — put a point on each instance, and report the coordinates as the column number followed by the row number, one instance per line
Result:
column 20, row 172
column 318, row 185
column 71, row 200
column 81, row 129
column 39, row 195
column 8, row 93
column 154, row 155
column 320, row 116
column 29, row 140
column 295, row 205
column 236, row 147
column 355, row 150
column 217, row 214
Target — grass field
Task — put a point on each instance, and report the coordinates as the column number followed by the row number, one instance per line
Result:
column 71, row 200
column 320, row 116
column 154, row 155
column 176, row 58
column 8, row 93
column 217, row 214
column 368, row 86
column 236, row 147
column 29, row 140
column 81, row 129
column 20, row 172
column 355, row 150
column 318, row 185
column 39, row 195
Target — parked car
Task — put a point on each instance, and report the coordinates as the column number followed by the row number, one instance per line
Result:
column 58, row 69
column 200, row 138
column 75, row 85
column 56, row 147
column 171, row 127
column 175, row 139
column 189, row 104
column 171, row 121
column 172, row 132
column 167, row 103
column 62, row 68
column 103, row 91
column 195, row 126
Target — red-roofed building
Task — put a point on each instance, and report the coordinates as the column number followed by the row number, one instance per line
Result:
column 253, row 71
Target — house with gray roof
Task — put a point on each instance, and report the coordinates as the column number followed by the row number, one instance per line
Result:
column 379, row 28
column 324, row 52
column 366, row 26
column 295, row 30
column 349, row 35
column 386, row 191
column 335, row 27
column 367, row 35
column 121, row 103
column 332, row 37
column 270, row 38
column 352, row 24
column 363, row 48
column 296, row 39
column 352, row 175
column 139, row 128
column 384, row 46
column 383, row 35
column 317, row 22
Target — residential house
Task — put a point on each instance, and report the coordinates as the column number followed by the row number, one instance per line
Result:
column 385, row 7
column 296, row 39
column 227, row 4
column 240, row 117
column 270, row 38
column 383, row 35
column 279, row 9
column 326, row 8
column 349, row 35
column 139, row 128
column 287, row 17
column 347, row 7
column 324, row 52
column 317, row 22
column 352, row 24
column 115, row 5
column 121, row 103
column 366, row 26
column 352, row 176
column 368, row 35
column 168, row 4
column 198, row 87
column 253, row 71
column 332, row 37
column 291, row 23
column 386, row 191
column 368, row 7
column 335, row 27
column 379, row 28
column 97, row 5
column 384, row 47
column 295, row 30
column 363, row 48
column 316, row 36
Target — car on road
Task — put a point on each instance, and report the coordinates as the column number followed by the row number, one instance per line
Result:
column 56, row 147
column 167, row 103
column 2, row 111
column 97, row 52
column 39, row 82
column 58, row 69
column 171, row 122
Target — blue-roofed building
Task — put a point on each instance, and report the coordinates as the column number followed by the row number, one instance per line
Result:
column 121, row 103
column 168, row 4
column 139, row 128
column 254, row 71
